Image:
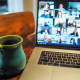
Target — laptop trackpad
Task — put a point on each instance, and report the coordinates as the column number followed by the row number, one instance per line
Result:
column 65, row 73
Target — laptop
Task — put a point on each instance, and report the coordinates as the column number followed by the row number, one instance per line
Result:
column 57, row 52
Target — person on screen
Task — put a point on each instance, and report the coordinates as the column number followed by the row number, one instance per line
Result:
column 46, row 24
column 46, row 6
column 59, row 14
column 69, row 24
column 59, row 40
column 78, row 41
column 59, row 26
column 74, row 24
column 61, row 8
column 45, row 15
column 50, row 15
column 75, row 32
column 73, row 41
column 45, row 36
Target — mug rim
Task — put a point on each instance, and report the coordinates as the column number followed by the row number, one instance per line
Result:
column 16, row 44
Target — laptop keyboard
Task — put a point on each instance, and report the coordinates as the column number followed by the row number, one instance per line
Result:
column 59, row 59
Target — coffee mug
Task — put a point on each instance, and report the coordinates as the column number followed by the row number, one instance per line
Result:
column 12, row 56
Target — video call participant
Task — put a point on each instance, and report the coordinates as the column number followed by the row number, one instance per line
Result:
column 45, row 15
column 59, row 40
column 69, row 24
column 59, row 26
column 73, row 41
column 50, row 15
column 59, row 14
column 45, row 36
column 46, row 6
column 78, row 41
column 61, row 8
column 75, row 32
column 74, row 24
column 46, row 24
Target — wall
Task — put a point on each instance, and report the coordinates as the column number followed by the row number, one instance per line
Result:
column 30, row 5
column 22, row 5
column 15, row 6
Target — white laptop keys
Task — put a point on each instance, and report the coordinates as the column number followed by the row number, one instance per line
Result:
column 57, row 52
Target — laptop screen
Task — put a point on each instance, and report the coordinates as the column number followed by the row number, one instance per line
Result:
column 58, row 23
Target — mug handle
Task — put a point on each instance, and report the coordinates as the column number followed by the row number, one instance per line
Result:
column 1, row 60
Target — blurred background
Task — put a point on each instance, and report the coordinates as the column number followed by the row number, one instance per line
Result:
column 14, row 6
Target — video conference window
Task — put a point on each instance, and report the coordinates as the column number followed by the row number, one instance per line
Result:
column 46, row 5
column 60, row 11
column 46, row 9
column 60, row 22
column 46, row 22
column 74, row 9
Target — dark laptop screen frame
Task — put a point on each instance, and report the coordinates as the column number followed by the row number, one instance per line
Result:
column 72, row 47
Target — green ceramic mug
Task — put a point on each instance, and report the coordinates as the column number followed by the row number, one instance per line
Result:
column 12, row 56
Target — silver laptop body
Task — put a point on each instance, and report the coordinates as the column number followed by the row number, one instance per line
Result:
column 57, row 35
